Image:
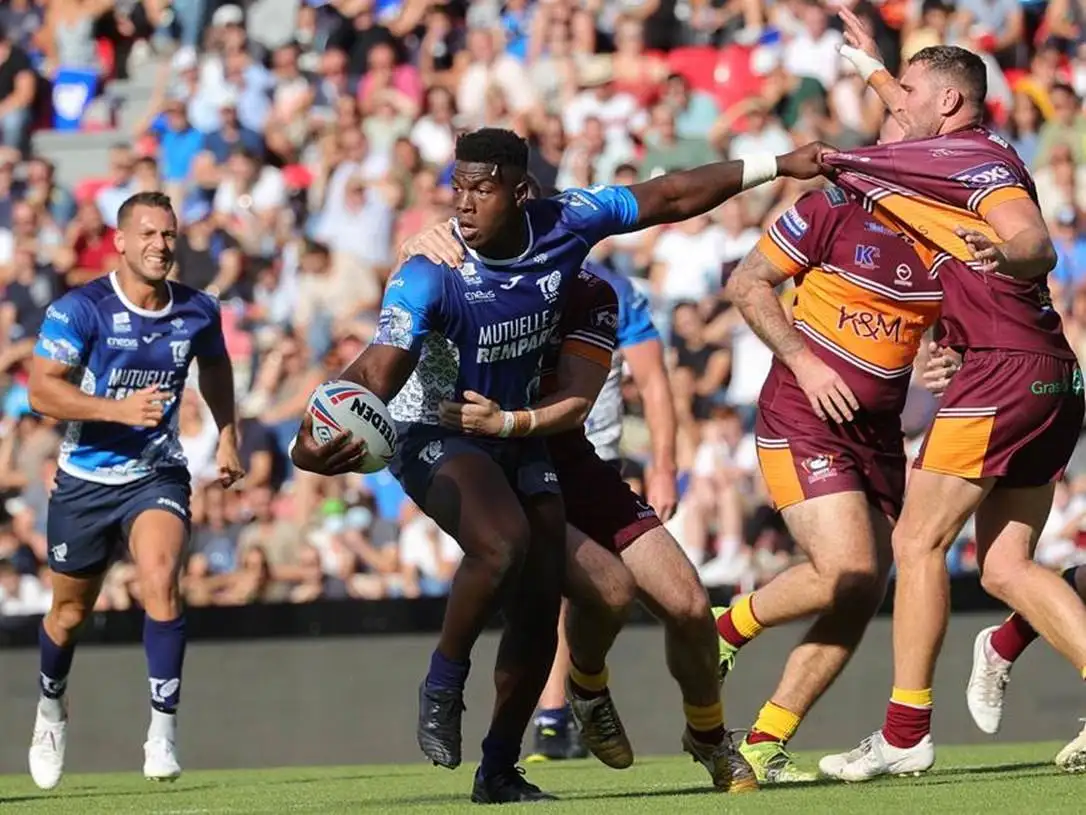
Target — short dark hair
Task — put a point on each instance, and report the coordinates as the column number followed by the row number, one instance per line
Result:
column 493, row 145
column 964, row 68
column 157, row 200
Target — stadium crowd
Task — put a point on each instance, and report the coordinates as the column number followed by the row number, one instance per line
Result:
column 302, row 142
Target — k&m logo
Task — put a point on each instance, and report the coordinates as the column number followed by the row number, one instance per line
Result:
column 870, row 326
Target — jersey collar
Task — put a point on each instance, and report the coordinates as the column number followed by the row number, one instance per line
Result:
column 128, row 304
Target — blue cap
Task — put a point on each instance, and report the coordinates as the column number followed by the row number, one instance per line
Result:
column 195, row 209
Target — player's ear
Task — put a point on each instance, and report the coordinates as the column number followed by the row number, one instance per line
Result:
column 118, row 241
column 522, row 191
column 950, row 101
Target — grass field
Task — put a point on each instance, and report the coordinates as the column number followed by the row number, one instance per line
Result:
column 1006, row 778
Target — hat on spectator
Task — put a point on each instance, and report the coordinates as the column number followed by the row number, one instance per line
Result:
column 184, row 60
column 227, row 15
column 594, row 72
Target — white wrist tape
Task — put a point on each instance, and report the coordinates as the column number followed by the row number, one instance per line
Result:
column 865, row 64
column 758, row 169
column 508, row 422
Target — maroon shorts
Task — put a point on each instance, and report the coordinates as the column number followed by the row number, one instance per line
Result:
column 598, row 502
column 1007, row 415
column 803, row 457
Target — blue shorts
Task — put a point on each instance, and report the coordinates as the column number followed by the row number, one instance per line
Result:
column 88, row 522
column 422, row 449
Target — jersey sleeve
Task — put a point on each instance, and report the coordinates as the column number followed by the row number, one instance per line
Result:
column 67, row 331
column 210, row 343
column 590, row 320
column 410, row 308
column 635, row 324
column 598, row 212
column 800, row 238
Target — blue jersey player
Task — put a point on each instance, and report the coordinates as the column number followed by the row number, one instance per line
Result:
column 482, row 327
column 616, row 547
column 111, row 360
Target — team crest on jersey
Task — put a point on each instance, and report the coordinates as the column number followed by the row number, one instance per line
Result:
column 177, row 324
column 837, row 197
column 550, row 285
column 122, row 323
column 470, row 275
column 819, row 468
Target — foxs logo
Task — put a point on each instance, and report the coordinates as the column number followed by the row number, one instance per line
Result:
column 605, row 317
column 986, row 175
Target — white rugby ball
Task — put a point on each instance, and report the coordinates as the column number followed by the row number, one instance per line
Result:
column 339, row 406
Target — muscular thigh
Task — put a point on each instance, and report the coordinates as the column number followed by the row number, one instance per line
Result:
column 1009, row 522
column 666, row 579
column 838, row 532
column 595, row 576
column 598, row 502
column 471, row 498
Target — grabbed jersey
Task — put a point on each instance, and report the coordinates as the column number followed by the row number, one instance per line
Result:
column 484, row 326
column 864, row 296
column 116, row 348
column 929, row 187
column 604, row 424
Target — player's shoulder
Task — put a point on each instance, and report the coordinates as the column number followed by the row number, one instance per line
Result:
column 826, row 201
column 594, row 286
column 980, row 158
column 188, row 296
column 579, row 205
column 82, row 302
column 419, row 279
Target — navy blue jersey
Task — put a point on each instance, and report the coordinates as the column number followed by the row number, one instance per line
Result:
column 485, row 325
column 117, row 348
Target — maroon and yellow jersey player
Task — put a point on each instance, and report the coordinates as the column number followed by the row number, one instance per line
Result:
column 864, row 301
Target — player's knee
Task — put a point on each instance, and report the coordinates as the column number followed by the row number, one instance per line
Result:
column 858, row 592
column 619, row 595
column 689, row 610
column 66, row 618
column 502, row 550
column 999, row 574
column 160, row 593
column 909, row 548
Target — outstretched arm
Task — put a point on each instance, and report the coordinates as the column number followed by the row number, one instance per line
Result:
column 860, row 49
column 674, row 197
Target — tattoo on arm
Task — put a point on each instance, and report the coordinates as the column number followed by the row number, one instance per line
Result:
column 752, row 289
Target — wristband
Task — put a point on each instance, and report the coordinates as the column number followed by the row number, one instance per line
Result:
column 758, row 169
column 865, row 64
column 509, row 420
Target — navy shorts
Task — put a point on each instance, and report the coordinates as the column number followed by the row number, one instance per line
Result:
column 88, row 522
column 422, row 449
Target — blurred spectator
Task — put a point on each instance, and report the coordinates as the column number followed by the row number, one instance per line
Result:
column 18, row 87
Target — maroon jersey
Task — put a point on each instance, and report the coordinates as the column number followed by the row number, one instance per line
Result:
column 588, row 328
column 932, row 186
column 864, row 295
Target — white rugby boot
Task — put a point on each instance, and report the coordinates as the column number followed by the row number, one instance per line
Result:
column 987, row 683
column 1072, row 758
column 46, row 756
column 875, row 756
column 160, row 750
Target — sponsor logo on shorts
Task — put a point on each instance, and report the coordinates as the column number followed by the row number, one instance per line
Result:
column 431, row 452
column 60, row 552
column 819, row 468
column 1060, row 387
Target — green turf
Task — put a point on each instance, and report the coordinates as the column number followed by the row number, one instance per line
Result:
column 1005, row 778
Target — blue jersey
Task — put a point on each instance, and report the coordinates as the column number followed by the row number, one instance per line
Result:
column 117, row 348
column 604, row 424
column 485, row 325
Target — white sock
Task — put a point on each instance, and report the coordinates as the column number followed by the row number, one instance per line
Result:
column 994, row 658
column 52, row 710
column 163, row 725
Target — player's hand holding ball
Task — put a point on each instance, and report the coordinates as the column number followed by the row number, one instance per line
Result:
column 345, row 429
column 142, row 408
column 476, row 415
column 829, row 395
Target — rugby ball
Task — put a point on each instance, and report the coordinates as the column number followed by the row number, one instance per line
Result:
column 339, row 406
